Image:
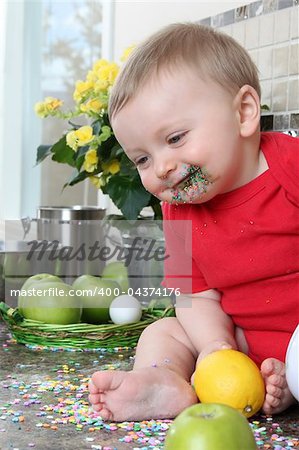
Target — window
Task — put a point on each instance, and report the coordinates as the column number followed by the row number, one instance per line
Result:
column 47, row 45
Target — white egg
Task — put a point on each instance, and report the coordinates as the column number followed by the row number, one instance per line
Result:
column 292, row 364
column 125, row 309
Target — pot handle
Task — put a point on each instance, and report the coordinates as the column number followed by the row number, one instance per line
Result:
column 26, row 224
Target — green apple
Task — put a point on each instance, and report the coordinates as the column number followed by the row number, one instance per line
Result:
column 32, row 281
column 210, row 427
column 118, row 272
column 96, row 294
column 49, row 302
column 44, row 277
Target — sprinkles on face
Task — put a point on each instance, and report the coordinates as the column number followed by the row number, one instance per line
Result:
column 194, row 185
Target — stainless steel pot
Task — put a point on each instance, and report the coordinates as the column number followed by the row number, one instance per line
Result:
column 64, row 239
column 68, row 224
column 78, row 229
column 18, row 261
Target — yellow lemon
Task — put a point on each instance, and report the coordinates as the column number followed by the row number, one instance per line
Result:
column 232, row 378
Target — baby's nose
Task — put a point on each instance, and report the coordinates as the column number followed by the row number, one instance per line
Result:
column 164, row 167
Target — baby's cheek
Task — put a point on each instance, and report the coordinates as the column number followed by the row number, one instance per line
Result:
column 159, row 195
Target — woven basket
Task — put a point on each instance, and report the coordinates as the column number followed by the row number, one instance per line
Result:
column 78, row 336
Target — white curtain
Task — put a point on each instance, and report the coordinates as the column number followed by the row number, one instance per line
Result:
column 20, row 130
column 2, row 46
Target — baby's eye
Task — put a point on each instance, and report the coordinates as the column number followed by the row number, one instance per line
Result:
column 175, row 139
column 141, row 161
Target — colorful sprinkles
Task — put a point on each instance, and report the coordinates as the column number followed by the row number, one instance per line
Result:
column 195, row 183
column 59, row 399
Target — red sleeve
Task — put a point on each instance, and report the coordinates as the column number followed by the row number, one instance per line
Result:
column 282, row 154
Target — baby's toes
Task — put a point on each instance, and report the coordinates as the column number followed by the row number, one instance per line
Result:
column 271, row 402
column 105, row 414
column 277, row 380
column 94, row 398
column 274, row 391
column 92, row 388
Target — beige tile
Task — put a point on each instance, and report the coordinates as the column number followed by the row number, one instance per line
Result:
column 280, row 61
column 279, row 95
column 294, row 59
column 238, row 32
column 265, row 62
column 252, row 33
column 293, row 95
column 266, row 29
column 266, row 88
column 253, row 55
column 227, row 30
column 294, row 23
column 282, row 25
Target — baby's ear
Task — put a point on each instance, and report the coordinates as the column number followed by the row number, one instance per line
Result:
column 248, row 104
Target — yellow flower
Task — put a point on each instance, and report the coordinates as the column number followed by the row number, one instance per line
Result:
column 98, row 182
column 100, row 86
column 72, row 140
column 113, row 72
column 127, row 53
column 80, row 137
column 40, row 109
column 103, row 75
column 91, row 160
column 48, row 107
column 53, row 103
column 111, row 167
column 93, row 105
column 82, row 89
column 99, row 64
column 84, row 135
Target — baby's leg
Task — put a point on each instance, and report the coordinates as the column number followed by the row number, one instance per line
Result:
column 158, row 386
column 278, row 396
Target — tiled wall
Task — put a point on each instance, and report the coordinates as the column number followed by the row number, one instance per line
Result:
column 269, row 30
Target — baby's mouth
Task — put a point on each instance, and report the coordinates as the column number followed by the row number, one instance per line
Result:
column 194, row 183
column 187, row 180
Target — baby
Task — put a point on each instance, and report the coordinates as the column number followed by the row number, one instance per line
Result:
column 186, row 110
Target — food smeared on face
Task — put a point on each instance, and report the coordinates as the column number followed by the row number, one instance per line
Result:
column 193, row 185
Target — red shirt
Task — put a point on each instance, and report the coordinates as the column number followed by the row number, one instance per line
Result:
column 245, row 244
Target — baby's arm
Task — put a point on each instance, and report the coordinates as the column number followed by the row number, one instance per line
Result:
column 204, row 321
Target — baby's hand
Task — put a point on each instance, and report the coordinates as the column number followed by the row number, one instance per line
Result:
column 213, row 347
column 210, row 348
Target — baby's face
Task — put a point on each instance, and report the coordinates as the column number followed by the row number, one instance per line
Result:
column 182, row 133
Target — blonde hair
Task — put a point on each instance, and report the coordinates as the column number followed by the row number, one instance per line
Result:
column 211, row 53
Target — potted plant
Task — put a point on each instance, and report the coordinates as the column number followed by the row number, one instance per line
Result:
column 90, row 147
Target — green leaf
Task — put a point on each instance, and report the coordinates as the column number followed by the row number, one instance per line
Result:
column 106, row 120
column 265, row 108
column 96, row 126
column 127, row 166
column 77, row 177
column 62, row 153
column 80, row 156
column 106, row 148
column 42, row 152
column 128, row 194
column 155, row 204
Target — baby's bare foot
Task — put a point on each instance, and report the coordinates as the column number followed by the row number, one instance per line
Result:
column 278, row 396
column 147, row 393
